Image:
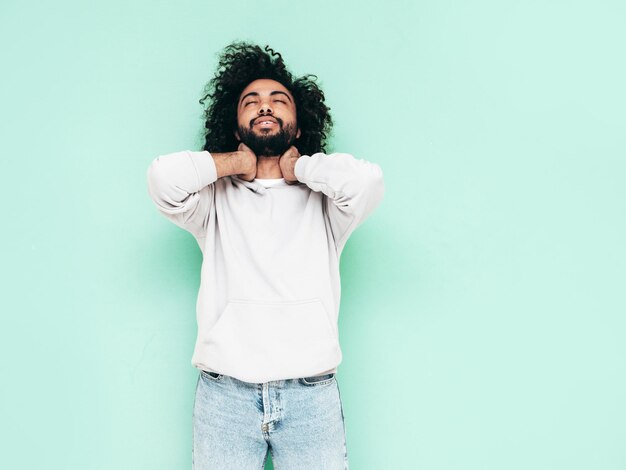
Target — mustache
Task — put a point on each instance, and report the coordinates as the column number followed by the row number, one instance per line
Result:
column 278, row 120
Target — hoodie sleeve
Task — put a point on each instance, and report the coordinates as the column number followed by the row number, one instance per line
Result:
column 354, row 188
column 181, row 186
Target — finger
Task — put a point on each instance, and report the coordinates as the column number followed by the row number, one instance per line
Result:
column 291, row 152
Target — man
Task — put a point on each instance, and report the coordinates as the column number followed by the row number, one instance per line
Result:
column 271, row 213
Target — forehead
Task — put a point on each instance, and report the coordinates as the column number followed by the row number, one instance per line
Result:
column 264, row 86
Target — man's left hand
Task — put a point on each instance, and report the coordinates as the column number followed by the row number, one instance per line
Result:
column 287, row 164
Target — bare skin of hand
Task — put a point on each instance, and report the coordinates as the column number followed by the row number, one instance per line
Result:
column 287, row 164
column 241, row 162
column 247, row 162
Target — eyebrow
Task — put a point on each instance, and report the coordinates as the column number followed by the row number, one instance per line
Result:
column 254, row 93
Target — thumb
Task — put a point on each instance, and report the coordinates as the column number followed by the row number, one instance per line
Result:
column 294, row 151
column 289, row 153
column 244, row 148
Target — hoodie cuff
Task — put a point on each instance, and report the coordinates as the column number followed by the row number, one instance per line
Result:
column 299, row 169
column 205, row 167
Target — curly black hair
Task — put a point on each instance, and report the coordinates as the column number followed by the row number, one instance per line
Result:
column 240, row 64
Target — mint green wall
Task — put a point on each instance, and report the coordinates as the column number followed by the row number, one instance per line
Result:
column 483, row 312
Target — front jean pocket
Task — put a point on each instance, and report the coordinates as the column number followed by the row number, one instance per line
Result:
column 213, row 376
column 317, row 380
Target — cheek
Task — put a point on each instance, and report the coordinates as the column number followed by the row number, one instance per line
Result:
column 295, row 115
column 243, row 119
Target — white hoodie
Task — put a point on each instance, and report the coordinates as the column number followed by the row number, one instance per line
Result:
column 268, row 302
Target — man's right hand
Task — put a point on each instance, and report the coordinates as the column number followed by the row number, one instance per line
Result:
column 246, row 162
column 241, row 162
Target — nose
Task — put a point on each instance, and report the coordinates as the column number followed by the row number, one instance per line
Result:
column 265, row 108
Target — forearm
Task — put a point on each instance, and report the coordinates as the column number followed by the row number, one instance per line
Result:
column 354, row 187
column 231, row 163
column 339, row 176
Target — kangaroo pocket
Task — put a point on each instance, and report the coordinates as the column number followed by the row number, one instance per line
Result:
column 258, row 341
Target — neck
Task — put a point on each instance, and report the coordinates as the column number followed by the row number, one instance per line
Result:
column 268, row 168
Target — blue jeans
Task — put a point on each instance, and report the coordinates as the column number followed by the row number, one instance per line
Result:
column 300, row 421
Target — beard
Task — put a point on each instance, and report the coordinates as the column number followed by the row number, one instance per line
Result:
column 269, row 144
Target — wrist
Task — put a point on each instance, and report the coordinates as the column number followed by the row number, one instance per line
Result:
column 243, row 163
column 288, row 170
